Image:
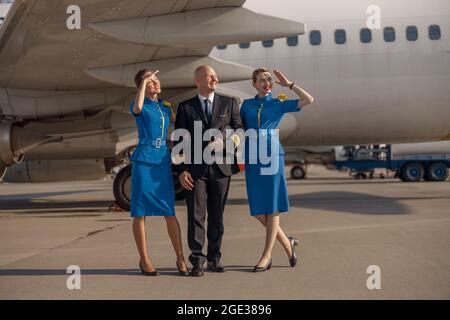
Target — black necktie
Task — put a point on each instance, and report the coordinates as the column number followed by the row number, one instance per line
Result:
column 208, row 115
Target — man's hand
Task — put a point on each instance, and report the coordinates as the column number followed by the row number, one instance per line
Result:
column 216, row 145
column 186, row 180
column 236, row 140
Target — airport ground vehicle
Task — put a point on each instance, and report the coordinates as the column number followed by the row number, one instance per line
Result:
column 412, row 162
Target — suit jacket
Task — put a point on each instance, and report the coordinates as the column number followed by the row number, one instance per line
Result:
column 225, row 115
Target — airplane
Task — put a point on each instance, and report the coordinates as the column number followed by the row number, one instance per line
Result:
column 65, row 93
column 370, row 86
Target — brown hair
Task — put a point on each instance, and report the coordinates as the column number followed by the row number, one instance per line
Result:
column 258, row 71
column 140, row 76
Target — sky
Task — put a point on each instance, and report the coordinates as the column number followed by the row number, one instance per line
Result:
column 318, row 10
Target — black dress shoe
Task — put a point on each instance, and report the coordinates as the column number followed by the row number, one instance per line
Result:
column 268, row 266
column 197, row 271
column 181, row 272
column 216, row 266
column 150, row 274
column 293, row 259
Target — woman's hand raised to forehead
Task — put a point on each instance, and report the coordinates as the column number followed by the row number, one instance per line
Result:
column 149, row 76
column 282, row 80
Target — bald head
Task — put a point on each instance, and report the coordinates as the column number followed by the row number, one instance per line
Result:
column 206, row 79
column 202, row 70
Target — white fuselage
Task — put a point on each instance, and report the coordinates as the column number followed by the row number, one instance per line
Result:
column 4, row 8
column 375, row 92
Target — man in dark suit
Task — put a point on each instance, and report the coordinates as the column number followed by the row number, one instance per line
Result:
column 206, row 185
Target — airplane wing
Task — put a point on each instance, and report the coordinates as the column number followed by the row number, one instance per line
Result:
column 54, row 79
column 39, row 52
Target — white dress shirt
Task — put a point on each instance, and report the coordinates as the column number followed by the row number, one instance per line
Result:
column 210, row 102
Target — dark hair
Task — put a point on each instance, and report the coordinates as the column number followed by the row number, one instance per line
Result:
column 140, row 76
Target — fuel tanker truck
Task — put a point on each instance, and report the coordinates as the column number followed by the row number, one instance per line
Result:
column 412, row 162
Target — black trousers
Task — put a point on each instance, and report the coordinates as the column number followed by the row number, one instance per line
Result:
column 209, row 194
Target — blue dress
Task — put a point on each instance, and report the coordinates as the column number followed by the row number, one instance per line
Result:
column 152, row 192
column 264, row 155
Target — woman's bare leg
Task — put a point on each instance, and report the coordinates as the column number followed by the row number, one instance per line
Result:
column 173, row 228
column 281, row 236
column 272, row 226
column 140, row 237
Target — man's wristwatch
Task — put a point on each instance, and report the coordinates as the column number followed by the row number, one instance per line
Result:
column 291, row 85
column 236, row 140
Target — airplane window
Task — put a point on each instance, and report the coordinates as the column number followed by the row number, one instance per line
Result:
column 411, row 33
column 340, row 36
column 267, row 43
column 389, row 34
column 434, row 31
column 365, row 35
column 292, row 41
column 244, row 45
column 221, row 47
column 315, row 37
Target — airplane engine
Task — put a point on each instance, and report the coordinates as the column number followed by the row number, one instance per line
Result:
column 56, row 170
column 7, row 154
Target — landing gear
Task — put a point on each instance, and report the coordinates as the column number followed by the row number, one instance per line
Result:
column 298, row 172
column 122, row 188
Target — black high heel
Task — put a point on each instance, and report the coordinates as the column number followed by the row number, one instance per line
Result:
column 182, row 273
column 268, row 266
column 151, row 274
column 294, row 243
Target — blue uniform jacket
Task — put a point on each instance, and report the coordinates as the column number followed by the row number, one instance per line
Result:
column 264, row 115
column 152, row 124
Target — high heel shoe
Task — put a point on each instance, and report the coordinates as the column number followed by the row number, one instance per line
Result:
column 152, row 274
column 181, row 272
column 268, row 266
column 293, row 259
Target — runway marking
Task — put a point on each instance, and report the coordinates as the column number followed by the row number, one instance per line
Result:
column 89, row 234
column 373, row 226
column 346, row 228
column 258, row 235
column 249, row 236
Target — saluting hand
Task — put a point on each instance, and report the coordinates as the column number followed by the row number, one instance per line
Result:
column 282, row 80
column 149, row 76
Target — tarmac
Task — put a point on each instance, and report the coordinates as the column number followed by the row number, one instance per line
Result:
column 346, row 228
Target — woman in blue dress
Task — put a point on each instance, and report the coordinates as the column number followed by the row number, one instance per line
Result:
column 264, row 159
column 152, row 192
